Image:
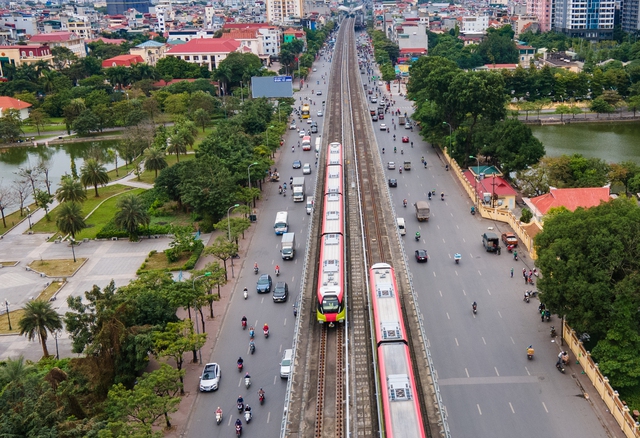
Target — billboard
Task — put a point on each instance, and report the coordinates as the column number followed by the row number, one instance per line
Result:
column 271, row 86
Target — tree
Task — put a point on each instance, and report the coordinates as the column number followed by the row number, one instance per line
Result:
column 29, row 174
column 10, row 126
column 6, row 200
column 69, row 219
column 71, row 111
column 176, row 339
column 14, row 370
column 154, row 160
column 601, row 106
column 44, row 200
column 93, row 173
column 86, row 122
column 201, row 117
column 38, row 118
column 633, row 104
column 498, row 47
column 70, row 190
column 223, row 250
column 21, row 190
column 38, row 318
column 512, row 144
column 132, row 214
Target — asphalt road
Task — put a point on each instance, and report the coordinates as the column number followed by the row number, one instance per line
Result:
column 489, row 387
column 232, row 341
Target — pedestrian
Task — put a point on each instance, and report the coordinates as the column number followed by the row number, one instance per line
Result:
column 526, row 279
column 542, row 316
column 511, row 272
column 530, row 273
column 524, row 272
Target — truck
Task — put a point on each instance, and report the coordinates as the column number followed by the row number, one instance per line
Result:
column 491, row 242
column 288, row 246
column 298, row 189
column 402, row 120
column 407, row 165
column 422, row 210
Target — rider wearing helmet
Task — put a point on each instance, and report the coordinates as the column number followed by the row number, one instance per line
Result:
column 265, row 327
column 240, row 361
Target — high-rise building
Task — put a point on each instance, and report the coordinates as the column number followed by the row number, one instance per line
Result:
column 589, row 19
column 118, row 7
column 542, row 9
column 283, row 11
column 631, row 16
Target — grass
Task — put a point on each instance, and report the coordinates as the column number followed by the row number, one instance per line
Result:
column 8, row 264
column 50, row 291
column 123, row 170
column 14, row 218
column 149, row 177
column 56, row 267
column 44, row 226
column 101, row 216
column 159, row 261
column 179, row 219
column 16, row 315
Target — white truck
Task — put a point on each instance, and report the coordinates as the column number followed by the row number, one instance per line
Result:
column 422, row 211
column 288, row 246
column 298, row 189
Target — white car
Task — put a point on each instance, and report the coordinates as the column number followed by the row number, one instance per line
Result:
column 383, row 127
column 302, row 133
column 306, row 169
column 320, row 114
column 293, row 126
column 391, row 165
column 210, row 377
column 315, row 69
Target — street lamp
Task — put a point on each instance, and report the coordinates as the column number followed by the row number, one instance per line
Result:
column 28, row 216
column 6, row 306
column 55, row 335
column 450, row 134
column 477, row 176
column 249, row 173
column 206, row 274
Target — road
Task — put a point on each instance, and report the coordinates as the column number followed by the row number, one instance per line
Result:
column 489, row 387
column 232, row 341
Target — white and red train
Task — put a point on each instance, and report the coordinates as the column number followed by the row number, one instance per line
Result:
column 402, row 415
column 331, row 270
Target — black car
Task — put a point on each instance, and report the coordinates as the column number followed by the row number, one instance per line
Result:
column 297, row 164
column 421, row 255
column 393, row 182
column 280, row 292
column 264, row 284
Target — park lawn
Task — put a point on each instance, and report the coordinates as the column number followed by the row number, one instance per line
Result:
column 178, row 218
column 102, row 216
column 159, row 261
column 14, row 218
column 57, row 267
column 149, row 176
column 123, row 169
column 44, row 226
column 29, row 129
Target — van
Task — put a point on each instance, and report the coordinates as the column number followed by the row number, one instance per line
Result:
column 401, row 227
column 309, row 204
column 281, row 225
column 285, row 364
column 491, row 242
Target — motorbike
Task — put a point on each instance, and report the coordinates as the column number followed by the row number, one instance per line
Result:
column 547, row 315
column 446, row 167
column 473, row 210
column 252, row 347
column 442, row 197
column 261, row 397
column 277, row 272
column 218, row 418
column 530, row 353
column 247, row 382
column 457, row 257
column 404, row 203
column 246, row 294
column 429, row 195
column 515, row 256
column 247, row 416
column 244, row 324
column 400, row 170
column 240, row 366
column 475, row 308
column 238, row 430
column 553, row 332
column 252, row 333
column 240, row 406
column 559, row 366
column 417, row 237
column 255, row 269
column 526, row 296
column 401, row 151
column 266, row 333
column 425, row 164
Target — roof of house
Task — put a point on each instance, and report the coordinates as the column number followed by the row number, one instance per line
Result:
column 131, row 59
column 150, row 43
column 571, row 198
column 7, row 102
column 207, row 45
column 240, row 34
column 497, row 185
column 52, row 37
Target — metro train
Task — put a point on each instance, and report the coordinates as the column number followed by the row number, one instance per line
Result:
column 332, row 267
column 402, row 414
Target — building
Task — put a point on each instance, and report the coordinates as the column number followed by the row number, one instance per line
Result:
column 122, row 61
column 490, row 188
column 7, row 103
column 293, row 34
column 411, row 37
column 542, row 10
column 571, row 199
column 205, row 52
column 189, row 34
column 268, row 37
column 525, row 54
column 23, row 24
column 150, row 51
column 587, row 19
column 630, row 16
column 473, row 24
column 79, row 26
column 521, row 23
column 283, row 11
column 69, row 40
column 117, row 7
column 21, row 55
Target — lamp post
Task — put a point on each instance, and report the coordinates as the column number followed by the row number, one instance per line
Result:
column 6, row 306
column 206, row 274
column 28, row 216
column 249, row 173
column 450, row 134
column 55, row 335
column 476, row 177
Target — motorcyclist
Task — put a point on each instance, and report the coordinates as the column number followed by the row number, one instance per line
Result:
column 239, row 424
column 284, row 187
column 383, row 150
column 429, row 195
column 290, row 180
column 240, row 361
column 251, row 332
column 244, row 318
column 219, row 411
column 255, row 266
column 252, row 345
column 394, row 137
column 530, row 350
column 260, row 392
column 247, row 376
column 417, row 234
column 442, row 196
column 240, row 400
column 474, row 305
column 395, row 149
column 280, row 189
column 404, row 202
column 247, row 409
column 265, row 328
column 277, row 269
column 411, row 144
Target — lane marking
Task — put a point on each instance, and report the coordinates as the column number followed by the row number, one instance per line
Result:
column 499, row 314
column 497, row 373
column 464, row 292
column 466, row 372
column 527, row 370
column 440, row 293
column 268, row 417
column 479, row 410
column 448, row 317
column 485, row 342
column 489, row 291
column 456, row 339
column 545, row 408
column 512, row 341
column 479, row 273
column 512, row 410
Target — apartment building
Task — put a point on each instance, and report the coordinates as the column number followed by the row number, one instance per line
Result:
column 284, row 11
column 24, row 24
column 588, row 19
column 631, row 16
column 269, row 37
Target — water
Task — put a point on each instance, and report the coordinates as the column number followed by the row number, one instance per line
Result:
column 59, row 157
column 613, row 143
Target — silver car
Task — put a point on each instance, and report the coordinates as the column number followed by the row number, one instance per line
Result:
column 210, row 377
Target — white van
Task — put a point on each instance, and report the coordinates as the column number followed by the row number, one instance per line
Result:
column 281, row 225
column 285, row 364
column 401, row 228
column 309, row 204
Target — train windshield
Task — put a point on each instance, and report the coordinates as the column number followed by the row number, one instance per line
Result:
column 330, row 305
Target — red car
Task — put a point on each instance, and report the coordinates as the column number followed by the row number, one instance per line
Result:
column 381, row 116
column 405, row 139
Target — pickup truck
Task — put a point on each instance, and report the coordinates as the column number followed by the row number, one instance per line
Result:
column 509, row 239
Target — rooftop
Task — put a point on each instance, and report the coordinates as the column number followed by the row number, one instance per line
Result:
column 571, row 198
column 207, row 45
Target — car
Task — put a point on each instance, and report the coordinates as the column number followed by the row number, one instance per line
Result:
column 372, row 112
column 264, row 284
column 319, row 93
column 379, row 83
column 370, row 91
column 320, row 114
column 310, row 122
column 374, row 117
column 383, row 127
column 315, row 69
column 306, row 169
column 374, row 100
column 421, row 255
column 405, row 139
column 293, row 126
column 210, row 377
column 301, row 133
column 509, row 239
column 285, row 363
column 280, row 292
column 391, row 165
column 297, row 164
column 393, row 182
column 381, row 116
column 314, row 129
column 407, row 125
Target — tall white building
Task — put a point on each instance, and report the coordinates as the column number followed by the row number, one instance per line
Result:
column 589, row 19
column 474, row 24
column 283, row 11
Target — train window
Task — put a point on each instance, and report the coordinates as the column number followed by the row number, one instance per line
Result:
column 331, row 239
column 333, row 215
column 399, row 387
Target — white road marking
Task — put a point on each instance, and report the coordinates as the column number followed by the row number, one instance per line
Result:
column 466, row 372
column 464, row 292
column 511, row 406
column 479, row 410
column 456, row 339
column 448, row 317
column 527, row 370
column 440, row 293
column 499, row 314
column 485, row 342
column 489, row 291
column 512, row 341
column 268, row 417
column 545, row 408
column 497, row 373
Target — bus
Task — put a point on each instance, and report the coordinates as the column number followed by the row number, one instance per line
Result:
column 281, row 225
column 305, row 111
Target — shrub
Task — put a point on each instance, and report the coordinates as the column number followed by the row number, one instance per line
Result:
column 526, row 216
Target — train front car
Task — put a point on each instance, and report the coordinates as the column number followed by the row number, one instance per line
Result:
column 332, row 258
column 402, row 415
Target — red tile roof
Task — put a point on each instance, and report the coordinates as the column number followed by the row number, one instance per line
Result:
column 11, row 103
column 122, row 60
column 206, row 45
column 52, row 37
column 489, row 184
column 571, row 198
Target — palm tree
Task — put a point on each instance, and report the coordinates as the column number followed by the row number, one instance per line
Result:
column 93, row 173
column 132, row 214
column 14, row 370
column 38, row 318
column 69, row 220
column 154, row 160
column 70, row 190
